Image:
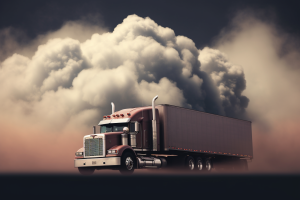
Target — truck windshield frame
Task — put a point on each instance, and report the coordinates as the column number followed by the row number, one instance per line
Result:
column 107, row 128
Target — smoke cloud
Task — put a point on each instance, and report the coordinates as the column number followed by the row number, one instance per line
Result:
column 68, row 81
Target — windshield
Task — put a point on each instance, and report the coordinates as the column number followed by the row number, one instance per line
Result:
column 105, row 128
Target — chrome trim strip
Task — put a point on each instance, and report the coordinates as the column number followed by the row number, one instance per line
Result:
column 141, row 149
column 97, row 162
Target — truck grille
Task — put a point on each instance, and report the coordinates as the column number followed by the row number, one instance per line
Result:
column 93, row 147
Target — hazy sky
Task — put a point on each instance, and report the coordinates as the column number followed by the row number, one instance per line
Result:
column 62, row 63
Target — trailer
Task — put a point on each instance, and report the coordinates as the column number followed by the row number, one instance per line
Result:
column 165, row 136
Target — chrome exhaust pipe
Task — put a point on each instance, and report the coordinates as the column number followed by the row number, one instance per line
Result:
column 112, row 107
column 154, row 129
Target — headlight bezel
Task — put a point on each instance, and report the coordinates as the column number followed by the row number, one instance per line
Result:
column 112, row 151
column 79, row 154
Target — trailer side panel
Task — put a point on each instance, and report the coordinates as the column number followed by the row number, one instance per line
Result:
column 190, row 130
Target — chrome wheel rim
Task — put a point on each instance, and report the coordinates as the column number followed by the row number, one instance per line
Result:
column 129, row 163
column 200, row 165
column 191, row 164
column 208, row 165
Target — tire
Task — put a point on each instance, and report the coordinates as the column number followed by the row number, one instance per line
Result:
column 189, row 163
column 199, row 164
column 128, row 163
column 86, row 170
column 208, row 165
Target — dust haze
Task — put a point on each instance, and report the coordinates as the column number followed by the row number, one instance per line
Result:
column 57, row 86
column 270, row 60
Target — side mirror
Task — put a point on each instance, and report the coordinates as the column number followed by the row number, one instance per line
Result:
column 136, row 127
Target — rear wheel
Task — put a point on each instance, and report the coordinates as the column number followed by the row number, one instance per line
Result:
column 190, row 163
column 86, row 170
column 128, row 162
column 208, row 165
column 199, row 164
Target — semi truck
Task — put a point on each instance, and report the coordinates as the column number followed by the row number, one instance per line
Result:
column 165, row 136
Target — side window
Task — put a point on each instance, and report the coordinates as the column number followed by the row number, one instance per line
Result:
column 103, row 129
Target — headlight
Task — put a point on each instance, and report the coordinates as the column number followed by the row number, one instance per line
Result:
column 79, row 153
column 112, row 151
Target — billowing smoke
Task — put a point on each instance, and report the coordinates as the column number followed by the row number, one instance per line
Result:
column 70, row 82
column 229, row 80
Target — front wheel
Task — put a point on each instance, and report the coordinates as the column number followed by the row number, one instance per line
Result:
column 128, row 162
column 86, row 170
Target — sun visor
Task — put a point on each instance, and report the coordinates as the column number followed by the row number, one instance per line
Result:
column 104, row 122
column 114, row 121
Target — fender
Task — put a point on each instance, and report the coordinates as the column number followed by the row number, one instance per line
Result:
column 121, row 149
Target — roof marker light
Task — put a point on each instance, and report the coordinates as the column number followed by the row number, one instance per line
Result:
column 113, row 115
column 121, row 115
column 117, row 115
column 108, row 116
column 128, row 114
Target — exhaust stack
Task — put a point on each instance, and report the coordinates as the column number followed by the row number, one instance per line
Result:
column 112, row 107
column 154, row 124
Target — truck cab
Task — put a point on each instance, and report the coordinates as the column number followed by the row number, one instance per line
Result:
column 121, row 136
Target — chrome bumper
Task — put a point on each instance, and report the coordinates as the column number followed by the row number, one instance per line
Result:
column 100, row 162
